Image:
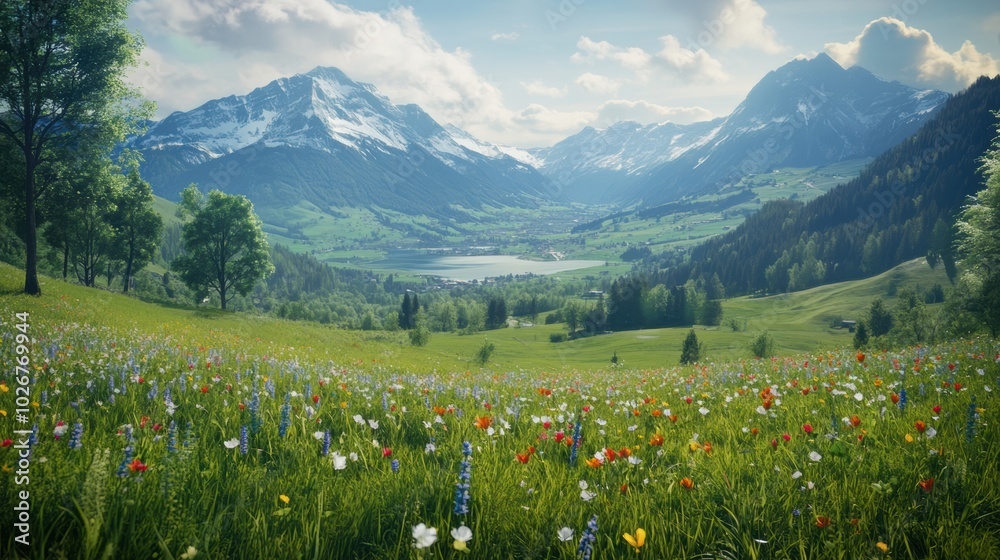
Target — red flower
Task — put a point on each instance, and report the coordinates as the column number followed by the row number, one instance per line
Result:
column 656, row 440
column 157, row 427
column 625, row 452
column 523, row 457
column 610, row 454
column 861, row 357
column 387, row 452
column 143, row 421
column 559, row 436
column 855, row 420
column 928, row 484
column 141, row 380
column 894, row 398
column 547, row 424
column 774, row 443
column 242, row 406
column 586, row 408
column 483, row 422
column 204, row 388
column 136, row 466
column 6, row 443
column 673, row 418
column 315, row 399
column 624, row 488
column 786, row 437
column 822, row 521
column 687, row 483
column 807, row 428
column 958, row 387
column 937, row 409
column 920, row 426
column 688, row 400
column 951, row 367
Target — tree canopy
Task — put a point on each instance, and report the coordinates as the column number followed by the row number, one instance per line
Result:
column 224, row 245
column 63, row 96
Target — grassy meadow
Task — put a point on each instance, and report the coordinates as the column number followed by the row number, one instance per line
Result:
column 178, row 433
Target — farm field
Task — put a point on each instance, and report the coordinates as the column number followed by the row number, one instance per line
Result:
column 173, row 433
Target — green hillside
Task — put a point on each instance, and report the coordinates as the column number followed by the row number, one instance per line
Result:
column 799, row 322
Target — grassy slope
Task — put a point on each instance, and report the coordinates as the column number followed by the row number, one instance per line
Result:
column 799, row 323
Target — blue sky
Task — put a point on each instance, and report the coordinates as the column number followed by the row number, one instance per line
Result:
column 529, row 73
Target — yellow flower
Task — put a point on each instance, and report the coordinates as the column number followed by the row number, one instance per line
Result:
column 637, row 541
column 343, row 404
column 4, row 388
column 284, row 498
column 883, row 547
column 3, row 413
column 35, row 404
column 694, row 446
column 909, row 438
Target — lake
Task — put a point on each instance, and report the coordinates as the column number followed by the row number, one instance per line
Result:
column 478, row 267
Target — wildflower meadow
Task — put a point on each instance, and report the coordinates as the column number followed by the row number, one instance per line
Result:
column 158, row 445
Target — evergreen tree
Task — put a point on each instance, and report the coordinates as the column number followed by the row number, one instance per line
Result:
column 405, row 312
column 879, row 318
column 690, row 350
column 860, row 336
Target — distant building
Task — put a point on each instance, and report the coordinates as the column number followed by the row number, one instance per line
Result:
column 849, row 325
column 593, row 294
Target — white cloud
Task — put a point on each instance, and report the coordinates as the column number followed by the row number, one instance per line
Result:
column 595, row 83
column 541, row 117
column 505, row 36
column 645, row 112
column 539, row 88
column 734, row 24
column 895, row 51
column 673, row 58
column 696, row 64
column 633, row 58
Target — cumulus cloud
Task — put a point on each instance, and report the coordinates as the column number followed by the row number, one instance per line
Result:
column 895, row 51
column 595, row 83
column 672, row 58
column 645, row 112
column 539, row 88
column 205, row 49
column 728, row 25
column 505, row 36
column 541, row 117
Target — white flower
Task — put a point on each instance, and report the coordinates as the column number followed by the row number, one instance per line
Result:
column 191, row 553
column 319, row 435
column 634, row 460
column 810, row 485
column 796, row 474
column 584, row 485
column 339, row 461
column 461, row 534
column 490, row 431
column 587, row 496
column 633, row 428
column 231, row 443
column 430, row 448
column 601, row 421
column 60, row 430
column 859, row 397
column 359, row 419
column 761, row 410
column 930, row 433
column 424, row 536
column 703, row 411
column 353, row 456
column 815, row 457
column 373, row 424
column 565, row 534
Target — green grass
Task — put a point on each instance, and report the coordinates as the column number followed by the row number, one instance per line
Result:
column 922, row 481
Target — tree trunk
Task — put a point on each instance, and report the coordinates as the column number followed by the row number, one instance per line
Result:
column 65, row 259
column 31, row 286
column 128, row 265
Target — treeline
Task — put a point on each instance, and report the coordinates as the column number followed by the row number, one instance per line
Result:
column 902, row 206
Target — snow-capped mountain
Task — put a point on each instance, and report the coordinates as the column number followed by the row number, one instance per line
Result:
column 806, row 113
column 326, row 139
